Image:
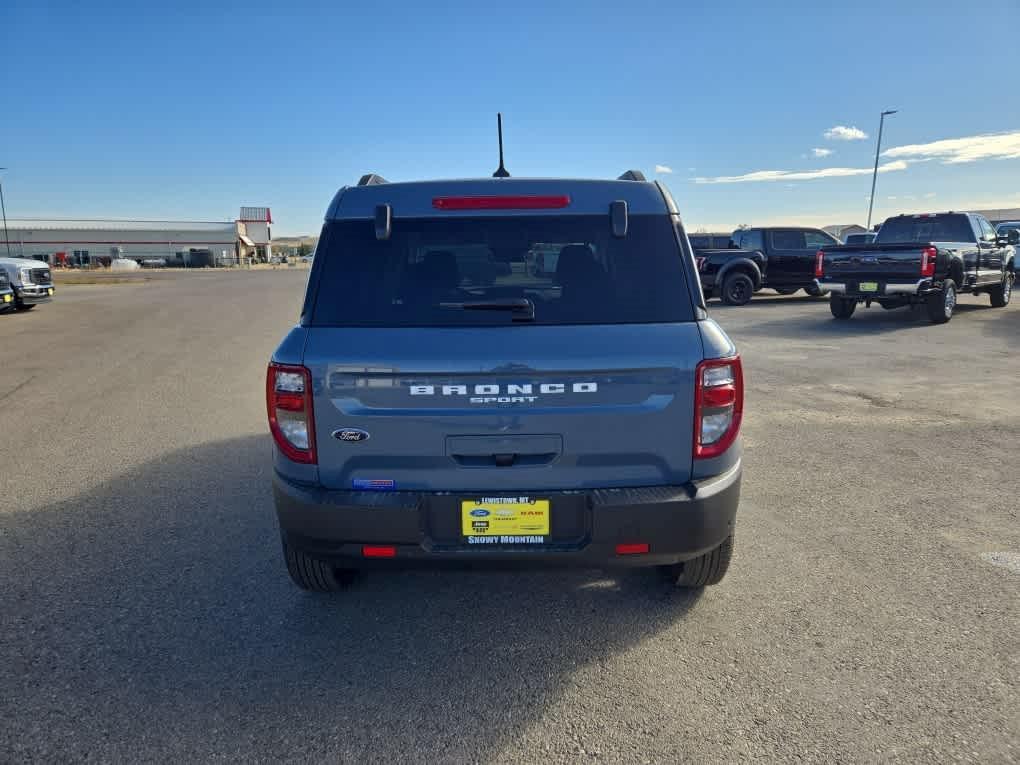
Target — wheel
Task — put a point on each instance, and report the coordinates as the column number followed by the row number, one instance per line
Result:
column 941, row 304
column 312, row 574
column 842, row 308
column 787, row 290
column 1000, row 295
column 737, row 288
column 704, row 570
column 814, row 291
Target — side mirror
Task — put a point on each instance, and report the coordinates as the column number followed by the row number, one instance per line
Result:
column 1013, row 236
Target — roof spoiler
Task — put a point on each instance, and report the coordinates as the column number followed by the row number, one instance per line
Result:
column 371, row 179
column 632, row 175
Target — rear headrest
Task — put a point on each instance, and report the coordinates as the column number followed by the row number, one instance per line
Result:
column 439, row 269
column 576, row 262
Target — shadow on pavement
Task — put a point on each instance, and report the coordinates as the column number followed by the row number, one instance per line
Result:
column 152, row 617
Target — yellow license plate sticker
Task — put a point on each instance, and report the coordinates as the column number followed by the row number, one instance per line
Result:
column 512, row 520
column 869, row 286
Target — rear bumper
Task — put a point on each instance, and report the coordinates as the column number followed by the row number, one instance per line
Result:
column 885, row 289
column 33, row 295
column 677, row 522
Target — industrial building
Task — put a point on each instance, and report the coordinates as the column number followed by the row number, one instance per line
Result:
column 90, row 242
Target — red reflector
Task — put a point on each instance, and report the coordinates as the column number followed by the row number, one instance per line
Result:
column 636, row 548
column 501, row 203
column 379, row 551
column 290, row 402
column 719, row 395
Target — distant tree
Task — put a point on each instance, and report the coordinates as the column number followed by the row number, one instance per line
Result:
column 304, row 249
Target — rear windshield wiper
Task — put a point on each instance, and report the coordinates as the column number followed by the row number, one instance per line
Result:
column 522, row 308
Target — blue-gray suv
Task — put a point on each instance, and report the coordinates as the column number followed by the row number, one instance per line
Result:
column 443, row 400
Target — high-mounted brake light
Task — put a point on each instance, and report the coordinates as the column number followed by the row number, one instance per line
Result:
column 289, row 406
column 718, row 406
column 928, row 257
column 819, row 264
column 547, row 202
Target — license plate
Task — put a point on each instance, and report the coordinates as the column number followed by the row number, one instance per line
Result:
column 50, row 292
column 505, row 520
column 869, row 286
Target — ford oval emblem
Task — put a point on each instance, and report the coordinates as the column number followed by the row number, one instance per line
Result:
column 350, row 435
column 479, row 512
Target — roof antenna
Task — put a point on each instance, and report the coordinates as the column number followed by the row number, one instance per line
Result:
column 500, row 171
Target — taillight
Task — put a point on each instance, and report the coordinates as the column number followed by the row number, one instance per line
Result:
column 819, row 264
column 928, row 257
column 517, row 202
column 289, row 404
column 718, row 406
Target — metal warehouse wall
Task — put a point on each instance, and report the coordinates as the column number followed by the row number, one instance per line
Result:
column 136, row 243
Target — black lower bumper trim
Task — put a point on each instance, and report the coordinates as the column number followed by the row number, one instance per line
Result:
column 677, row 523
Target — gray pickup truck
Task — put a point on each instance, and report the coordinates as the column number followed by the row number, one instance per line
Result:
column 586, row 413
column 30, row 280
column 924, row 260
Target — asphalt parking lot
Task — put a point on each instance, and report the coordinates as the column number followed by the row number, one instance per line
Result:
column 145, row 613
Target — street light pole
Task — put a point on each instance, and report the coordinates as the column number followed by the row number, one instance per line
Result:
column 3, row 209
column 874, row 175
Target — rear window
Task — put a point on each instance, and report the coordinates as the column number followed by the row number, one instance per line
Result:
column 938, row 228
column 463, row 271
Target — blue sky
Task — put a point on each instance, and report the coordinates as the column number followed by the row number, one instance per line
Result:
column 189, row 111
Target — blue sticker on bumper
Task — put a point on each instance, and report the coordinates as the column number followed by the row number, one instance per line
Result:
column 375, row 484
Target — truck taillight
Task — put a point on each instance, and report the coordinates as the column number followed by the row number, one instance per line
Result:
column 289, row 405
column 718, row 406
column 928, row 257
column 819, row 264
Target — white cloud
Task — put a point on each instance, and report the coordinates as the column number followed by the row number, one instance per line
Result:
column 890, row 198
column 930, row 195
column 809, row 175
column 952, row 151
column 663, row 170
column 821, row 152
column 844, row 133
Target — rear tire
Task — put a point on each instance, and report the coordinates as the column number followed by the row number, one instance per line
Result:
column 814, row 291
column 25, row 307
column 842, row 308
column 1001, row 295
column 787, row 290
column 312, row 574
column 705, row 570
column 942, row 304
column 737, row 288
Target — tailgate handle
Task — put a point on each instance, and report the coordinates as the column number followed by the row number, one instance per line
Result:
column 504, row 451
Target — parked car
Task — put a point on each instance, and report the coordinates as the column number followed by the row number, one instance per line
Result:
column 6, row 293
column 730, row 274
column 1003, row 229
column 865, row 238
column 924, row 260
column 586, row 417
column 789, row 255
column 31, row 281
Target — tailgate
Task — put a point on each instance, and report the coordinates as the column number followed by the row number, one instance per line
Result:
column 518, row 407
column 874, row 262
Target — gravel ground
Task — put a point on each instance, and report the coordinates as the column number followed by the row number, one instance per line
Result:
column 871, row 613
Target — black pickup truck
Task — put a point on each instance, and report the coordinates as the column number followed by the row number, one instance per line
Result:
column 782, row 258
column 726, row 272
column 920, row 260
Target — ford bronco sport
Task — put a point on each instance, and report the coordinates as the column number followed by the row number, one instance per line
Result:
column 426, row 410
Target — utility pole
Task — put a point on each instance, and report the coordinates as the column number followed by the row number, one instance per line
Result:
column 3, row 209
column 874, row 175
